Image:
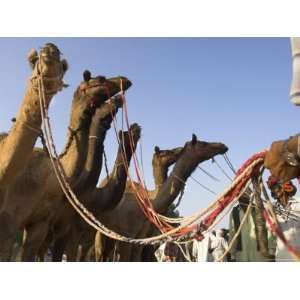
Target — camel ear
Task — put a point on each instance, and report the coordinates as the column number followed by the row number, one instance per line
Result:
column 65, row 65
column 194, row 139
column 87, row 75
column 32, row 57
column 156, row 149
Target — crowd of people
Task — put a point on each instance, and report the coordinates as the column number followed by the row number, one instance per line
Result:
column 240, row 243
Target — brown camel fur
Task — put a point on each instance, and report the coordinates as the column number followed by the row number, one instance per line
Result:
column 16, row 147
column 37, row 186
column 62, row 221
column 161, row 162
column 136, row 224
column 277, row 165
column 107, row 196
column 162, row 159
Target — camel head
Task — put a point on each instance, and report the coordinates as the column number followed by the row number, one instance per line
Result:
column 49, row 66
column 161, row 161
column 283, row 165
column 135, row 132
column 200, row 151
column 165, row 158
column 99, row 88
column 91, row 95
column 105, row 112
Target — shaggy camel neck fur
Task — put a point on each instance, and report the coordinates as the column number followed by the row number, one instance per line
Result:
column 37, row 186
column 16, row 148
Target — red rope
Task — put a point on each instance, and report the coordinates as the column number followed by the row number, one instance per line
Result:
column 227, row 199
column 142, row 196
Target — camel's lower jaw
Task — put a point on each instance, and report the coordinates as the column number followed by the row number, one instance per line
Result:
column 224, row 150
column 220, row 149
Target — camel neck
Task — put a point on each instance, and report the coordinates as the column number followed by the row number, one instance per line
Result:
column 168, row 192
column 110, row 193
column 160, row 175
column 93, row 165
column 16, row 148
column 74, row 159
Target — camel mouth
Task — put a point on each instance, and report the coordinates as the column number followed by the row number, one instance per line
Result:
column 219, row 149
column 224, row 149
column 136, row 129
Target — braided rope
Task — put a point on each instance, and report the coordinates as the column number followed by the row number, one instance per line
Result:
column 221, row 196
column 80, row 208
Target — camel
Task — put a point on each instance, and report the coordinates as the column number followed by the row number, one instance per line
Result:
column 161, row 158
column 37, row 186
column 193, row 153
column 167, row 189
column 283, row 159
column 161, row 162
column 59, row 222
column 17, row 145
column 107, row 195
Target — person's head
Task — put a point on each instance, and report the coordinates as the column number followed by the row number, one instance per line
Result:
column 281, row 191
column 220, row 233
column 244, row 201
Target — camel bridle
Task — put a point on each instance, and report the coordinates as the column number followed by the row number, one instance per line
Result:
column 83, row 89
column 188, row 225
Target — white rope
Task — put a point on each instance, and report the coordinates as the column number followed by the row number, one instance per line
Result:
column 87, row 215
column 186, row 256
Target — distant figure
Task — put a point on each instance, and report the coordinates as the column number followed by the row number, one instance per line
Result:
column 160, row 253
column 288, row 216
column 201, row 249
column 167, row 252
column 246, row 246
column 172, row 252
column 219, row 245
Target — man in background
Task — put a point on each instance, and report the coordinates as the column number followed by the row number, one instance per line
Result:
column 219, row 246
column 288, row 216
column 246, row 246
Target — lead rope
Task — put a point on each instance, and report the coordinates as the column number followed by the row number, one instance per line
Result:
column 186, row 255
column 208, row 174
column 105, row 164
column 77, row 205
column 222, row 170
column 227, row 160
column 87, row 216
